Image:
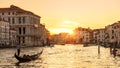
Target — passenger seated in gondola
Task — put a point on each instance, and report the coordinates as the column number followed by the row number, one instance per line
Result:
column 26, row 56
column 114, row 52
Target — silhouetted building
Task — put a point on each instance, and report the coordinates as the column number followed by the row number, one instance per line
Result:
column 83, row 35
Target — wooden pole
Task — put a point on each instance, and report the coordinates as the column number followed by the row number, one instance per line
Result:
column 98, row 49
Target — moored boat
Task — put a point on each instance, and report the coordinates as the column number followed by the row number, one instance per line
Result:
column 85, row 45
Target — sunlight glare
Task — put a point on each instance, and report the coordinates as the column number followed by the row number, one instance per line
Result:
column 60, row 30
column 69, row 24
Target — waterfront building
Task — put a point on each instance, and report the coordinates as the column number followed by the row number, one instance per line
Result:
column 26, row 23
column 83, row 35
column 44, row 33
column 95, row 36
column 87, row 35
column 99, row 36
column 78, row 35
column 102, row 36
column 56, row 39
column 110, row 31
column 109, row 34
column 12, row 37
column 4, row 33
column 118, row 33
column 62, row 38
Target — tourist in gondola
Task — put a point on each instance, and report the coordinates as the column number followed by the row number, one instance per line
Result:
column 26, row 56
column 114, row 52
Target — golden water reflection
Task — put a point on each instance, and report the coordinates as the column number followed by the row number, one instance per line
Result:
column 70, row 56
column 62, row 56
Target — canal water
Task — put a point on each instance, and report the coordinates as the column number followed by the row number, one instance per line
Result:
column 61, row 56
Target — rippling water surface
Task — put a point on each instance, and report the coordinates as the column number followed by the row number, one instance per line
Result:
column 61, row 56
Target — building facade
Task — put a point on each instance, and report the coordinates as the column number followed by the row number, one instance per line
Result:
column 44, row 35
column 13, row 37
column 83, row 35
column 118, row 33
column 4, row 34
column 95, row 36
column 78, row 35
column 99, row 36
column 113, row 33
column 87, row 36
column 26, row 23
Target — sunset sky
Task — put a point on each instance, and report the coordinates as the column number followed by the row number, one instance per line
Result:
column 65, row 15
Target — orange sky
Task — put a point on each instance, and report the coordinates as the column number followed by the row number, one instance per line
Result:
column 65, row 15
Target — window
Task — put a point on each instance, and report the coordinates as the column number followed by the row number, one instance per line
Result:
column 112, row 37
column 2, row 13
column 112, row 31
column 13, row 13
column 9, row 19
column 23, row 19
column 23, row 39
column 23, row 30
column 3, row 19
column 19, row 30
column 114, row 27
column 13, row 20
column 19, row 19
column 8, row 13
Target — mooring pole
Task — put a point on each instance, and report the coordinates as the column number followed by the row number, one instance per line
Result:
column 99, row 49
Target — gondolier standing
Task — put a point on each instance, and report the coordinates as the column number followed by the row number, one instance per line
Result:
column 18, row 49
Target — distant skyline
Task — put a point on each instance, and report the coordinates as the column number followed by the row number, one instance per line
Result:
column 66, row 15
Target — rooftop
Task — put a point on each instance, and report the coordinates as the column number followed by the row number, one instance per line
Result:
column 17, row 9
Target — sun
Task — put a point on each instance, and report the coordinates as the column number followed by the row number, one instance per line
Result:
column 66, row 26
column 66, row 30
column 61, row 30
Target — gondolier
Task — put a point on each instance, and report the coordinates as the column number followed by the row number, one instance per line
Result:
column 18, row 50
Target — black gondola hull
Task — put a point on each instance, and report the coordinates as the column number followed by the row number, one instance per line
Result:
column 29, row 58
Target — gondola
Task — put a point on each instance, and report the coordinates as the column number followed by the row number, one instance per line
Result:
column 62, row 44
column 28, row 58
column 85, row 45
